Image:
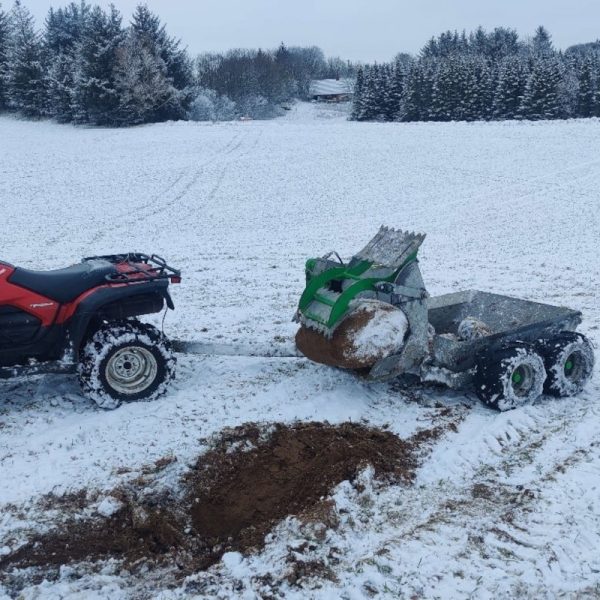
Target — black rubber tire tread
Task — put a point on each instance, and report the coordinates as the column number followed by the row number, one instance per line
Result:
column 110, row 338
column 555, row 351
column 493, row 377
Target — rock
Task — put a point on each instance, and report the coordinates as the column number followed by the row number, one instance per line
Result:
column 372, row 331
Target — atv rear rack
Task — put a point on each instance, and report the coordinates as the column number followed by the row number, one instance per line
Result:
column 135, row 266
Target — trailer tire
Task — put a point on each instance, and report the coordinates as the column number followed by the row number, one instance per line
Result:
column 510, row 377
column 569, row 361
column 125, row 361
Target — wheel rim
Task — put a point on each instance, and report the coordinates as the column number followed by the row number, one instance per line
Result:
column 522, row 379
column 574, row 367
column 131, row 370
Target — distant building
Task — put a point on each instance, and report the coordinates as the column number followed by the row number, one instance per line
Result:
column 332, row 90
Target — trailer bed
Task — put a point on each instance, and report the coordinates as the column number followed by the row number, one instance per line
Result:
column 509, row 319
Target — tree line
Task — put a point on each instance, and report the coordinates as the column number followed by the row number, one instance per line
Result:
column 87, row 66
column 482, row 76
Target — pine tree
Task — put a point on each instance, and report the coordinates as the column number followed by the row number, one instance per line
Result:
column 449, row 91
column 371, row 95
column 65, row 29
column 510, row 89
column 418, row 93
column 141, row 78
column 358, row 110
column 485, row 82
column 472, row 89
column 542, row 43
column 25, row 75
column 4, row 50
column 396, row 92
column 96, row 98
column 587, row 90
column 389, row 106
column 152, row 39
column 541, row 99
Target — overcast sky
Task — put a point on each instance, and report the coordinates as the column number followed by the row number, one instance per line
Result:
column 361, row 30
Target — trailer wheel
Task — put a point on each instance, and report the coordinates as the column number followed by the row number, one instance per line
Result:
column 125, row 362
column 510, row 377
column 569, row 360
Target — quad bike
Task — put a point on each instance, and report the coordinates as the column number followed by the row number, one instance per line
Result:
column 80, row 319
column 374, row 314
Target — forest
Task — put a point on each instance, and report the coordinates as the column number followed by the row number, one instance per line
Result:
column 482, row 76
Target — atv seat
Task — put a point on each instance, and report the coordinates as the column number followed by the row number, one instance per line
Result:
column 64, row 285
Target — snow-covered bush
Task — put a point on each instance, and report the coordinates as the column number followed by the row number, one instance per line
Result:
column 209, row 106
column 258, row 107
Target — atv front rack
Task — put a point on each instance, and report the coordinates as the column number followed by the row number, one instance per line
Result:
column 135, row 266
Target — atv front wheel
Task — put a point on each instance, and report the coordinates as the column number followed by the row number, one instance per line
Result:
column 125, row 362
column 510, row 377
column 569, row 359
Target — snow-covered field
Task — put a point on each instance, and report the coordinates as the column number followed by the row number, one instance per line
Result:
column 505, row 505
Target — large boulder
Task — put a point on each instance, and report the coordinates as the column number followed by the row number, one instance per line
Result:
column 372, row 331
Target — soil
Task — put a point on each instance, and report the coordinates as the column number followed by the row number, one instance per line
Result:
column 238, row 496
column 250, row 479
column 340, row 350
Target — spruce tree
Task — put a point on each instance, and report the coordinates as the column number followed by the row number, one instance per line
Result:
column 141, row 78
column 510, row 89
column 4, row 50
column 418, row 92
column 541, row 99
column 370, row 101
column 150, row 38
column 65, row 29
column 586, row 93
column 96, row 98
column 449, row 91
column 470, row 108
column 396, row 92
column 358, row 111
column 542, row 43
column 484, row 83
column 389, row 106
column 25, row 74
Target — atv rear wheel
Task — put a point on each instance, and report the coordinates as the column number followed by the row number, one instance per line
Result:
column 510, row 377
column 125, row 362
column 569, row 360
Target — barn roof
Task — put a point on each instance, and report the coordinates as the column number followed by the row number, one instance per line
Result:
column 327, row 87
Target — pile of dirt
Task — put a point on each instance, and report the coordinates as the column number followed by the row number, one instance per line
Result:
column 239, row 496
column 249, row 480
column 380, row 326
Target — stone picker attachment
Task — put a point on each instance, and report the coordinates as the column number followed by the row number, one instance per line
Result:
column 355, row 314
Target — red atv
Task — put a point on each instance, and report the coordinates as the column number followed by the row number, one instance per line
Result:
column 79, row 319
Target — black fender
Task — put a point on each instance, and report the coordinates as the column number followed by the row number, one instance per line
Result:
column 116, row 303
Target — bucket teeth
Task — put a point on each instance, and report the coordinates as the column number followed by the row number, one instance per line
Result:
column 325, row 331
column 391, row 247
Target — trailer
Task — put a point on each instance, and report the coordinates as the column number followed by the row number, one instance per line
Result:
column 509, row 351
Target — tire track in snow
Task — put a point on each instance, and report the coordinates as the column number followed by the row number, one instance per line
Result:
column 499, row 494
column 164, row 200
column 232, row 155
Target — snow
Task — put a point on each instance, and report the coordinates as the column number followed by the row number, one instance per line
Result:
column 108, row 506
column 385, row 330
column 507, row 207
